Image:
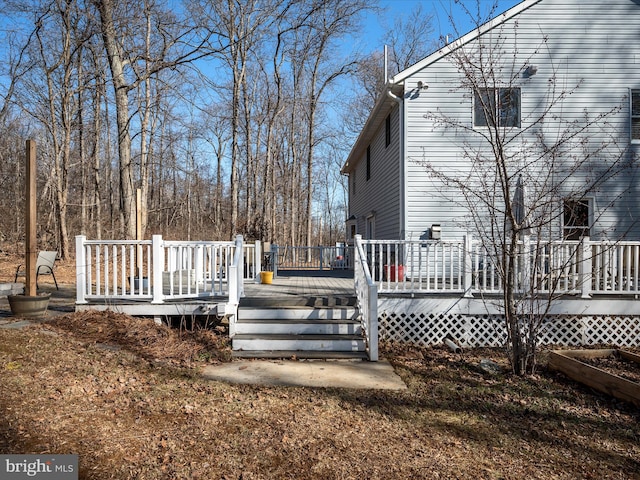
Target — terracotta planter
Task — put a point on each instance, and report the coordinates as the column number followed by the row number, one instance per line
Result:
column 29, row 306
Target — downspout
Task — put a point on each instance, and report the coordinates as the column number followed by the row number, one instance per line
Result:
column 401, row 163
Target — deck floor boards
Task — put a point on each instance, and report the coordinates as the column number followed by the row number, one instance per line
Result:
column 304, row 283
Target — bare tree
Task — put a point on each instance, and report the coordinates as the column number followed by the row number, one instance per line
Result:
column 520, row 174
column 131, row 66
column 409, row 39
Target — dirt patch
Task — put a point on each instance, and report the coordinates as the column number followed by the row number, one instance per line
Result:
column 616, row 365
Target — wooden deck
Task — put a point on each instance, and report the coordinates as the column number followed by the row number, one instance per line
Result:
column 286, row 287
column 293, row 283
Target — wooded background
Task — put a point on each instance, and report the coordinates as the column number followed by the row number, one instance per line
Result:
column 230, row 116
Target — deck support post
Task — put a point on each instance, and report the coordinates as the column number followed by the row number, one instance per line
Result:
column 157, row 255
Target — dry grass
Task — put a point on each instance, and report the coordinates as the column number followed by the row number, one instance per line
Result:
column 127, row 397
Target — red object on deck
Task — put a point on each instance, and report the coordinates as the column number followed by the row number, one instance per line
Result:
column 395, row 273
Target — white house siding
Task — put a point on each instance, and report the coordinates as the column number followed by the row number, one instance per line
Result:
column 591, row 45
column 379, row 196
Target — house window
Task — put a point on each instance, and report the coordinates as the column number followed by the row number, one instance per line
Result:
column 576, row 219
column 387, row 131
column 497, row 104
column 353, row 182
column 368, row 163
column 635, row 115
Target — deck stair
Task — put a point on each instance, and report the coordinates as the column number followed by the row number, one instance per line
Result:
column 301, row 327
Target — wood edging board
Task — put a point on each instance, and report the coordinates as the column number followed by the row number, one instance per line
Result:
column 567, row 362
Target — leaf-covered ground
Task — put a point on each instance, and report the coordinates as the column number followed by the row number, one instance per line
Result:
column 126, row 396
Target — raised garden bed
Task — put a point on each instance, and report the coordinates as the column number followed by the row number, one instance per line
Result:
column 614, row 372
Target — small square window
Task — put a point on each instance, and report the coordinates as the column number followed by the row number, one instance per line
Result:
column 576, row 219
column 501, row 105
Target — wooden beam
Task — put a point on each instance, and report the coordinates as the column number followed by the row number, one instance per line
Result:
column 31, row 240
column 632, row 357
column 567, row 362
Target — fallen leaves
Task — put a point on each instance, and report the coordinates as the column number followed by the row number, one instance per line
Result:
column 126, row 396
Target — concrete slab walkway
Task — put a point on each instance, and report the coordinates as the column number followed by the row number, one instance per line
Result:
column 309, row 373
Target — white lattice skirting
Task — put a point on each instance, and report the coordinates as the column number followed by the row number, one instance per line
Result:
column 426, row 322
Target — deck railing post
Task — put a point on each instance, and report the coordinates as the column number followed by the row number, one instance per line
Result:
column 525, row 266
column 257, row 262
column 81, row 270
column 373, row 322
column 274, row 260
column 585, row 267
column 157, row 256
column 468, row 265
column 240, row 265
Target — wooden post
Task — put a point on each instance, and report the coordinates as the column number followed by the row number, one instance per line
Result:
column 139, row 236
column 31, row 241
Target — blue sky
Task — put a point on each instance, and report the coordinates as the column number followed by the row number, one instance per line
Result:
column 377, row 24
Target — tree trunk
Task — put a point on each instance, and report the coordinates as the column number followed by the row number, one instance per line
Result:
column 121, row 95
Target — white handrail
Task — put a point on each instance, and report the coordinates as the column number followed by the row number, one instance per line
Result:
column 367, row 294
column 108, row 269
column 463, row 266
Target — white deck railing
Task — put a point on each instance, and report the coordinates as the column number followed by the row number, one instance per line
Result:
column 160, row 270
column 464, row 267
column 312, row 258
column 367, row 294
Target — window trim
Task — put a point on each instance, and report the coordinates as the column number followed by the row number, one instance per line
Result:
column 493, row 96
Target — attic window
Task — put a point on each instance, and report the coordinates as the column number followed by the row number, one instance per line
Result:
column 501, row 105
column 635, row 115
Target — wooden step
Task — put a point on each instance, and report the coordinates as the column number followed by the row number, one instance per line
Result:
column 317, row 343
column 298, row 301
column 348, row 314
column 260, row 326
column 288, row 354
